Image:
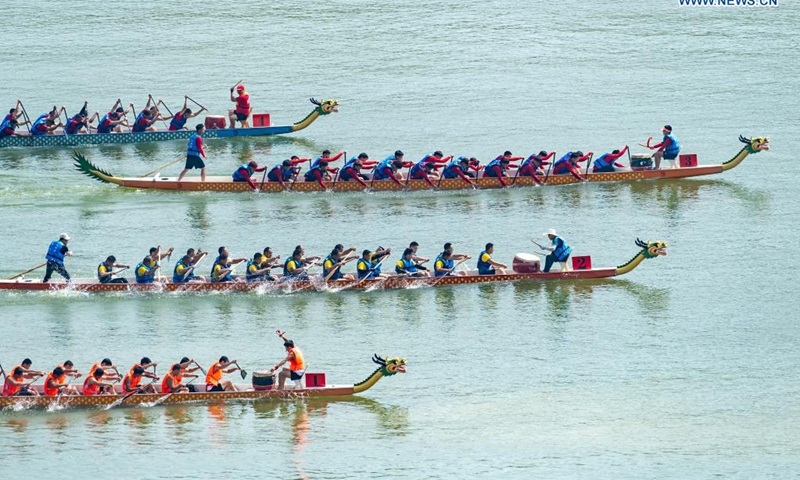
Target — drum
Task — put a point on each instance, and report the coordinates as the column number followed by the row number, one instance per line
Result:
column 641, row 161
column 263, row 380
column 526, row 263
column 214, row 122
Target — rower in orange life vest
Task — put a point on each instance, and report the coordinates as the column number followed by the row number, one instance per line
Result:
column 15, row 385
column 607, row 162
column 55, row 383
column 27, row 372
column 111, row 373
column 318, row 174
column 568, row 164
column 105, row 271
column 131, row 383
column 668, row 149
column 458, row 168
column 242, row 111
column 297, row 364
column 173, row 381
column 69, row 371
column 195, row 154
column 286, row 171
column 533, row 165
column 246, row 171
column 178, row 121
column 332, row 265
column 94, row 384
column 497, row 167
column 389, row 168
column 326, row 156
column 487, row 266
column 114, row 120
column 78, row 123
column 214, row 381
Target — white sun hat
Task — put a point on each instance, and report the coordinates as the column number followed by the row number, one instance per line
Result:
column 64, row 236
column 551, row 231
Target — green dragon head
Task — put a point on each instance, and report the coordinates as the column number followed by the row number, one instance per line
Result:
column 652, row 249
column 755, row 144
column 390, row 366
column 325, row 106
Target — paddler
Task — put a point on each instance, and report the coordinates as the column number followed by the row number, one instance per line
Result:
column 268, row 259
column 414, row 246
column 318, row 174
column 245, row 172
column 55, row 384
column 425, row 171
column 282, row 173
column 568, row 164
column 107, row 366
column 296, row 266
column 56, row 253
column 222, row 270
column 487, row 266
column 297, row 364
column 13, row 114
column 27, row 372
column 214, row 381
column 195, row 154
column 145, row 271
column 559, row 251
column 534, row 164
column 157, row 255
column 389, row 168
column 78, row 123
column 257, row 273
column 458, row 168
column 173, row 381
column 15, row 385
column 105, row 271
column 148, row 117
column 115, row 119
column 131, row 382
column 94, row 384
column 445, row 262
column 9, row 129
column 607, row 162
column 69, row 369
column 406, row 266
column 184, row 271
column 668, row 149
column 242, row 111
column 352, row 169
column 45, row 124
column 326, row 156
column 332, row 265
column 178, row 121
column 369, row 263
column 497, row 168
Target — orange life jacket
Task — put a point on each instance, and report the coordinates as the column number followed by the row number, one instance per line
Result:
column 63, row 379
column 51, row 392
column 214, row 375
column 298, row 362
column 176, row 380
column 11, row 390
column 90, row 390
column 134, row 382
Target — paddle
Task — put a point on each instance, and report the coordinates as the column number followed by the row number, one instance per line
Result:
column 197, row 364
column 341, row 264
column 589, row 162
column 25, row 115
column 162, row 167
column 165, row 106
column 3, row 371
column 449, row 271
column 28, row 271
column 201, row 107
column 547, row 174
column 372, row 270
column 133, row 112
column 264, row 178
column 242, row 371
column 339, row 171
column 237, row 84
column 122, row 399
column 297, row 175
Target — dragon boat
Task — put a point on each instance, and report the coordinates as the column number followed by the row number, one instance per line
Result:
column 525, row 268
column 387, row 367
column 61, row 139
column 226, row 183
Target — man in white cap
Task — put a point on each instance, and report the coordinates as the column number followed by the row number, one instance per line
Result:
column 559, row 251
column 56, row 253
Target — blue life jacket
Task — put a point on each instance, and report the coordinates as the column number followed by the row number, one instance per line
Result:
column 54, row 252
column 309, row 175
column 562, row 164
column 249, row 275
column 363, row 268
column 316, row 161
column 146, row 278
column 42, row 120
column 452, row 168
column 191, row 147
column 377, row 266
column 226, row 278
column 386, row 163
column 181, row 278
column 447, row 264
column 483, row 267
column 674, row 148
column 562, row 250
column 278, row 170
column 408, row 266
column 141, row 123
column 326, row 272
column 489, row 170
column 178, row 123
column 344, row 172
column 238, row 175
column 298, row 264
column 602, row 162
column 101, row 279
column 6, row 122
column 73, row 125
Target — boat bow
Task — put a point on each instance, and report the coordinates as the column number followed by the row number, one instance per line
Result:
column 649, row 249
column 752, row 145
column 325, row 107
column 83, row 165
column 387, row 368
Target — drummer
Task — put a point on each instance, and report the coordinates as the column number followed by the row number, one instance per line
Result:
column 214, row 381
column 242, row 111
column 297, row 364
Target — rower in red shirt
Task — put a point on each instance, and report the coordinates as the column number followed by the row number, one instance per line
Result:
column 178, row 121
column 287, row 170
column 195, row 154
column 497, row 167
column 246, row 171
column 568, row 164
column 352, row 169
column 326, row 155
column 607, row 161
column 317, row 173
column 458, row 168
column 531, row 165
column 242, row 111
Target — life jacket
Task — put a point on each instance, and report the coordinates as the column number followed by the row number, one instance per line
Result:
column 344, row 173
column 134, row 382
column 309, row 175
column 363, row 268
column 602, row 162
column 146, row 277
column 177, row 122
column 419, row 167
column 9, row 389
column 452, row 169
column 674, row 147
column 214, row 375
column 73, row 125
column 489, row 170
column 176, row 380
column 178, row 277
column 380, row 169
column 7, row 130
column 90, row 390
column 104, row 125
column 297, row 264
column 278, row 170
column 238, row 175
column 215, row 276
column 562, row 250
column 243, row 104
column 562, row 165
column 326, row 271
column 250, row 276
column 484, row 267
column 404, row 265
column 376, row 264
column 191, row 147
column 298, row 362
column 316, row 161
column 141, row 123
column 54, row 252
column 50, row 392
column 528, row 161
column 39, row 126
column 102, row 268
column 6, row 122
column 446, row 264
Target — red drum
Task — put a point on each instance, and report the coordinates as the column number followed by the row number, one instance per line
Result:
column 526, row 263
column 263, row 380
column 215, row 122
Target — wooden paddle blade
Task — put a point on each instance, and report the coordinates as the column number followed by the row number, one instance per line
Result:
column 244, row 374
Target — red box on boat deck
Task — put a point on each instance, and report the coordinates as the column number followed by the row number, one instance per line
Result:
column 261, row 120
column 687, row 160
column 215, row 122
column 315, row 380
column 582, row 263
